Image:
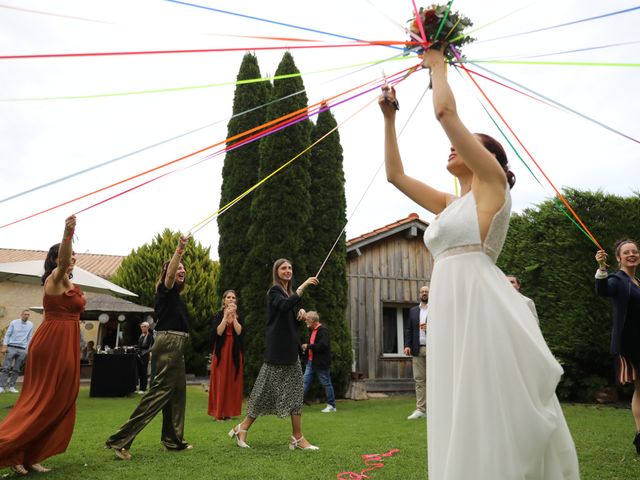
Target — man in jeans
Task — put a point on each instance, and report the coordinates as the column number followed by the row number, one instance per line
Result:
column 415, row 344
column 318, row 352
column 15, row 344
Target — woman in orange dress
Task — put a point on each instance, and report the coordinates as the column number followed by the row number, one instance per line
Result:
column 41, row 422
column 225, row 386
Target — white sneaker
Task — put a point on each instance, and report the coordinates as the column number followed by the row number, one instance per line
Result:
column 12, row 390
column 416, row 414
column 140, row 392
column 1, row 390
column 328, row 409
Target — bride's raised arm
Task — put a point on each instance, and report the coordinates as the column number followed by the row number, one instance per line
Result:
column 477, row 158
column 424, row 195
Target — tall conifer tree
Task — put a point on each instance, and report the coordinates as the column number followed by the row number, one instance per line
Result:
column 328, row 218
column 240, row 171
column 280, row 211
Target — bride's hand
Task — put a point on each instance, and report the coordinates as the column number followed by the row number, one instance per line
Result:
column 433, row 57
column 388, row 102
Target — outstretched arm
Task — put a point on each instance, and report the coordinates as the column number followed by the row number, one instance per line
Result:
column 174, row 263
column 59, row 274
column 479, row 160
column 427, row 197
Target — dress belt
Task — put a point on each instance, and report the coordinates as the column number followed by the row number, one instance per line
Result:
column 172, row 332
column 16, row 346
column 459, row 251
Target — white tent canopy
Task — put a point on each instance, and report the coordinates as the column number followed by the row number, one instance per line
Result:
column 31, row 271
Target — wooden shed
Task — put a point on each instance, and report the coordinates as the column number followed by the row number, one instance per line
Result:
column 385, row 270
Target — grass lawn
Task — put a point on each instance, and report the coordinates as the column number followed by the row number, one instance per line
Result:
column 603, row 437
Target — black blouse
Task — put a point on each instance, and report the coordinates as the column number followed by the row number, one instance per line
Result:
column 171, row 310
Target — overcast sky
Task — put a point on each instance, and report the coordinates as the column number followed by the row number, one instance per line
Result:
column 43, row 140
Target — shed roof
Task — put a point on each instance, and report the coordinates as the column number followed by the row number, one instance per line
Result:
column 407, row 223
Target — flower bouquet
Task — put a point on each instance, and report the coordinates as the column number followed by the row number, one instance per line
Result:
column 440, row 25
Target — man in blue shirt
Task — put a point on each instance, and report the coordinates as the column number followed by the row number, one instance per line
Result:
column 15, row 345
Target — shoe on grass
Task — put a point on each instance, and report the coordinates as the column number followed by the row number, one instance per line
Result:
column 328, row 409
column 416, row 415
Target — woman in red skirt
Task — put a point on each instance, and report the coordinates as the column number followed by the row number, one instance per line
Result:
column 41, row 422
column 225, row 388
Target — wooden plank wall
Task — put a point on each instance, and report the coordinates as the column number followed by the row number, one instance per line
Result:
column 388, row 271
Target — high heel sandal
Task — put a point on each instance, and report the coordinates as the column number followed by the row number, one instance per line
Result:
column 636, row 442
column 36, row 467
column 20, row 470
column 234, row 432
column 296, row 444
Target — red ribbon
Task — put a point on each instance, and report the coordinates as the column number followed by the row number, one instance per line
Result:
column 373, row 461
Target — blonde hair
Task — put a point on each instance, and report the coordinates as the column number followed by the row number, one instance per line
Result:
column 313, row 316
column 224, row 295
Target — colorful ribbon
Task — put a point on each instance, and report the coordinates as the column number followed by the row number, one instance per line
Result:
column 373, row 461
column 574, row 22
column 575, row 215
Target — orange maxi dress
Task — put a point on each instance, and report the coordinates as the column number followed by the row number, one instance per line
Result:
column 41, row 422
column 225, row 387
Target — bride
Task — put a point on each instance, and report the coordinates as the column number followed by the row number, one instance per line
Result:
column 492, row 412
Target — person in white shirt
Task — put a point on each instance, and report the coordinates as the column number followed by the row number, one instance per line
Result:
column 415, row 344
column 15, row 345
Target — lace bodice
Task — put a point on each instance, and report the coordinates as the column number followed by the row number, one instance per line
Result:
column 457, row 226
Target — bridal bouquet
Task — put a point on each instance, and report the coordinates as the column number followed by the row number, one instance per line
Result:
column 440, row 26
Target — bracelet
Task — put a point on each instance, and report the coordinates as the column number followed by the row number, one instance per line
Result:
column 179, row 251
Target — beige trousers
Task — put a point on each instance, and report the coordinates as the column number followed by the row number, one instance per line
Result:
column 419, row 364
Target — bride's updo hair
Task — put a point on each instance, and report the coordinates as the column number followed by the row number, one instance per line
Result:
column 494, row 147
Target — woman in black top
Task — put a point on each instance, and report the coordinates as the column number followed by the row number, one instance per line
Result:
column 623, row 288
column 279, row 388
column 168, row 389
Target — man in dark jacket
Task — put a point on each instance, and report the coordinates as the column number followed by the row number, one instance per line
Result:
column 415, row 344
column 318, row 352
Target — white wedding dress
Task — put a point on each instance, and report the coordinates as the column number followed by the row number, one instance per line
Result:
column 492, row 412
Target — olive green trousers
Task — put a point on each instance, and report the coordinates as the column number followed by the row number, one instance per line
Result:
column 167, row 393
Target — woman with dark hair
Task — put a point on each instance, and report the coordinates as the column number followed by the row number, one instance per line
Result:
column 227, row 336
column 168, row 389
column 41, row 422
column 492, row 412
column 279, row 387
column 623, row 288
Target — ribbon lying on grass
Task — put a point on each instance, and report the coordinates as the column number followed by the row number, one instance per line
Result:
column 373, row 461
column 557, row 192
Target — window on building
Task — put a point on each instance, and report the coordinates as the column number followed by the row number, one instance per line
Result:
column 394, row 321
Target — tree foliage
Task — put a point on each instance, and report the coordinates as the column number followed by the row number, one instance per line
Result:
column 279, row 210
column 139, row 273
column 555, row 262
column 240, row 171
column 328, row 218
